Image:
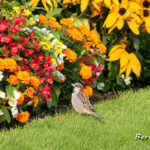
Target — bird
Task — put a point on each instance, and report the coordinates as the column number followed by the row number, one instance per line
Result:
column 81, row 103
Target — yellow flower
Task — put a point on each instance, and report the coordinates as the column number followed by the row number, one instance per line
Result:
column 125, row 11
column 45, row 2
column 71, row 56
column 32, row 21
column 27, row 12
column 85, row 72
column 16, row 9
column 128, row 60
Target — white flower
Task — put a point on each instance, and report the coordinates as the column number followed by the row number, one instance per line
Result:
column 26, row 29
column 100, row 86
column 36, row 28
column 1, row 113
column 60, row 75
column 51, row 35
column 2, row 95
column 1, row 76
column 54, row 41
column 122, row 76
column 44, row 30
column 60, row 58
column 14, row 111
column 64, row 46
column 128, row 80
column 16, row 95
column 13, row 103
column 36, row 18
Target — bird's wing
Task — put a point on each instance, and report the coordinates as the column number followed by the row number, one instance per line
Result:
column 85, row 101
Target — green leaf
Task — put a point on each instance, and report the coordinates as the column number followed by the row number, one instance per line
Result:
column 10, row 91
column 107, row 86
column 136, row 43
column 56, row 35
column 6, row 113
column 120, row 82
column 113, row 68
column 2, row 119
column 55, row 12
column 16, row 57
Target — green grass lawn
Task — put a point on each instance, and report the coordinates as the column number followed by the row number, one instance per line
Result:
column 124, row 117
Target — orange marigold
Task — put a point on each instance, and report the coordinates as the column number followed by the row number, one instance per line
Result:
column 4, row 102
column 17, row 70
column 23, row 76
column 101, row 48
column 21, row 99
column 75, row 34
column 85, row 31
column 35, row 100
column 86, row 72
column 30, row 92
column 87, row 45
column 67, row 22
column 43, row 19
column 88, row 91
column 8, row 63
column 23, row 117
column 95, row 37
column 71, row 56
column 60, row 66
column 13, row 80
column 54, row 24
column 35, row 82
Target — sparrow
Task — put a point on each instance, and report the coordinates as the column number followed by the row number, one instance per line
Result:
column 81, row 103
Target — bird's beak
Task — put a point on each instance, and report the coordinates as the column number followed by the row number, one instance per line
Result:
column 73, row 85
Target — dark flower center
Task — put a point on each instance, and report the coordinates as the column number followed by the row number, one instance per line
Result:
column 129, row 49
column 146, row 4
column 122, row 11
column 119, row 1
column 145, row 13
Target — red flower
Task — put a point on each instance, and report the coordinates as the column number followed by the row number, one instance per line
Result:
column 34, row 64
column 25, row 67
column 31, row 35
column 36, row 44
column 20, row 46
column 40, row 57
column 50, row 80
column 23, row 40
column 46, row 92
column 5, row 39
column 48, row 59
column 5, row 47
column 3, row 26
column 14, row 48
column 15, row 29
column 19, row 20
column 29, row 52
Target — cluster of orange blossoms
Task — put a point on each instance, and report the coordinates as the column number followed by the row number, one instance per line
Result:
column 51, row 21
column 88, row 91
column 71, row 56
column 23, row 117
column 85, row 72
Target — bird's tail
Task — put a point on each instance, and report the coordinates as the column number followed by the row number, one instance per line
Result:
column 98, row 116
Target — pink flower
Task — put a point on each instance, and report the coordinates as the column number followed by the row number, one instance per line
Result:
column 31, row 35
column 5, row 47
column 20, row 46
column 14, row 48
column 50, row 80
column 15, row 29
column 46, row 92
column 5, row 39
column 3, row 26
column 29, row 52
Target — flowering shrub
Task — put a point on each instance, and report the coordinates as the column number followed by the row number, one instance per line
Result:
column 18, row 90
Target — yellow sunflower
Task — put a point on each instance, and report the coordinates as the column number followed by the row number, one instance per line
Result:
column 44, row 2
column 128, row 60
column 145, row 13
column 125, row 11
